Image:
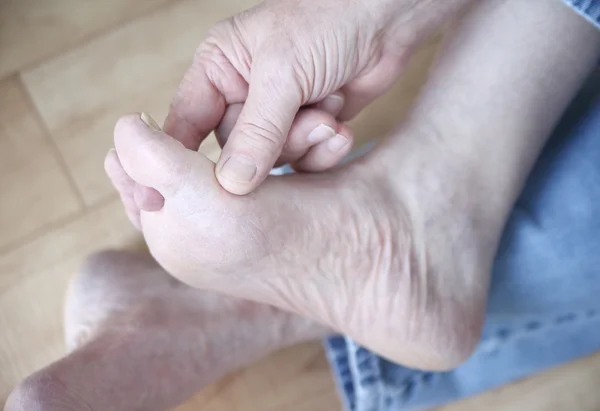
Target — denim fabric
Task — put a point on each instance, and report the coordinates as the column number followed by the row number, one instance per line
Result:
column 544, row 305
column 589, row 9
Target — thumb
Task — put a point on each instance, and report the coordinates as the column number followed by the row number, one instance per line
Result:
column 261, row 130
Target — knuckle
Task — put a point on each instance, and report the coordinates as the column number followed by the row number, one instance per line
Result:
column 266, row 136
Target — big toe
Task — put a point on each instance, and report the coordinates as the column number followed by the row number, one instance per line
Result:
column 151, row 157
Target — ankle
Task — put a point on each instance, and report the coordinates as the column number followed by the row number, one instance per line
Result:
column 444, row 180
column 437, row 193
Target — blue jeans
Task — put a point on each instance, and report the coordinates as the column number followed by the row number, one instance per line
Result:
column 544, row 300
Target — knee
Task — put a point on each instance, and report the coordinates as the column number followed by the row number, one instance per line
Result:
column 44, row 392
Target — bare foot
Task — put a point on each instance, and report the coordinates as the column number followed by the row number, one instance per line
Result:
column 316, row 142
column 350, row 248
column 142, row 341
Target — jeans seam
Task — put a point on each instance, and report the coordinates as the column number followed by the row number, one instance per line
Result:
column 506, row 334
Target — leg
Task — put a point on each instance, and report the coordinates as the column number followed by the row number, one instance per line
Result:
column 141, row 340
column 543, row 305
column 397, row 247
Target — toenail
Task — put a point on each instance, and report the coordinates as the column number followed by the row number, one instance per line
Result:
column 149, row 121
column 239, row 168
column 320, row 133
column 337, row 143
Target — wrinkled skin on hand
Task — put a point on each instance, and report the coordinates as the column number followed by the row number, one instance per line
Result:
column 269, row 63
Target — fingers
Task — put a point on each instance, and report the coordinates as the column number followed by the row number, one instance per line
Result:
column 225, row 127
column 332, row 104
column 326, row 154
column 198, row 105
column 150, row 157
column 310, row 128
column 260, row 132
column 196, row 108
column 361, row 91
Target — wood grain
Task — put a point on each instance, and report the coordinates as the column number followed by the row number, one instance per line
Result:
column 35, row 190
column 31, row 30
column 571, row 387
column 296, row 379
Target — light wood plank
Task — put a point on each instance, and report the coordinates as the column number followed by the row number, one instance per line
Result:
column 296, row 379
column 134, row 68
column 34, row 189
column 573, row 387
column 31, row 30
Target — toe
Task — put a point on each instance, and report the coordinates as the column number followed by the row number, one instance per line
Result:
column 119, row 178
column 152, row 158
column 147, row 198
column 124, row 185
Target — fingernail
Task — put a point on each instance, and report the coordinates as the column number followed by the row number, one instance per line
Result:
column 320, row 133
column 332, row 104
column 146, row 118
column 337, row 143
column 239, row 168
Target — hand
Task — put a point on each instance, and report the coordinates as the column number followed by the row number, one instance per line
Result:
column 395, row 250
column 269, row 62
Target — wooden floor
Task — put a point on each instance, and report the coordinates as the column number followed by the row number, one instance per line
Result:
column 68, row 69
